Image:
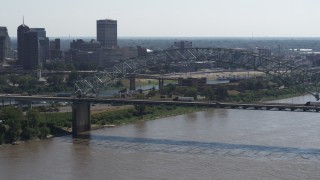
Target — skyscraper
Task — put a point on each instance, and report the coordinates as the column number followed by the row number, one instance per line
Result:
column 4, row 43
column 32, row 44
column 43, row 42
column 41, row 32
column 2, row 48
column 57, row 44
column 31, row 50
column 22, row 29
column 107, row 33
column 55, row 52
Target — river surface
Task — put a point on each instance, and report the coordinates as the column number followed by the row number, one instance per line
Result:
column 214, row 144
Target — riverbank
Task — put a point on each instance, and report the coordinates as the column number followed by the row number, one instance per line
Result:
column 110, row 116
column 107, row 116
column 139, row 114
column 285, row 96
column 60, row 123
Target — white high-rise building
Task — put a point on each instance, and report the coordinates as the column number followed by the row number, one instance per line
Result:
column 5, row 43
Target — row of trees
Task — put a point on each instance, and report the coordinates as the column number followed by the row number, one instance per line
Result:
column 17, row 84
column 15, row 126
column 219, row 93
column 244, row 91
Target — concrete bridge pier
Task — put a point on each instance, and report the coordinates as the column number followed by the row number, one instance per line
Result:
column 132, row 83
column 81, row 120
column 161, row 83
column 29, row 105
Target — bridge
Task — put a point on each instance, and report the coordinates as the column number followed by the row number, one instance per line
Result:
column 81, row 106
column 275, row 68
column 43, row 72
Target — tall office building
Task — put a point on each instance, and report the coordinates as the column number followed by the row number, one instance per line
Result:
column 55, row 51
column 5, row 43
column 31, row 50
column 2, row 48
column 33, row 45
column 57, row 44
column 40, row 31
column 107, row 33
column 22, row 29
column 43, row 42
column 44, row 48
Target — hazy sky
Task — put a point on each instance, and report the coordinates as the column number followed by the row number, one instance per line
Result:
column 167, row 18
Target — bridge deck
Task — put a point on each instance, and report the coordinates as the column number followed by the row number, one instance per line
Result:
column 214, row 104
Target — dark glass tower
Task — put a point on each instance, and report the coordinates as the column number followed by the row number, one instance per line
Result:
column 2, row 48
column 31, row 50
column 22, row 29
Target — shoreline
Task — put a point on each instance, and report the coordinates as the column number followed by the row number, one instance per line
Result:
column 148, row 117
column 157, row 114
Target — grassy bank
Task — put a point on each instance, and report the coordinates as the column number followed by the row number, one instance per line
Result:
column 140, row 113
column 264, row 95
column 284, row 96
column 60, row 123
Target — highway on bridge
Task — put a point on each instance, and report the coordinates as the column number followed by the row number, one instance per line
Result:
column 214, row 104
column 81, row 113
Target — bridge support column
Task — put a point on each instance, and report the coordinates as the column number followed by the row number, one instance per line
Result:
column 29, row 105
column 132, row 83
column 80, row 117
column 161, row 83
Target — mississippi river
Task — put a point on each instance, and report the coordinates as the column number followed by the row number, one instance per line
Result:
column 214, row 144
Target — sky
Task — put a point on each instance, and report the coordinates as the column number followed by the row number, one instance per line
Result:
column 167, row 18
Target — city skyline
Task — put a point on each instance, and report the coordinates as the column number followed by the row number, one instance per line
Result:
column 179, row 18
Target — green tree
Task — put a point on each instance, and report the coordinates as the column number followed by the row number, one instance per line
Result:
column 30, row 127
column 28, row 83
column 191, row 92
column 3, row 80
column 3, row 130
column 139, row 96
column 56, row 83
column 13, row 79
column 168, row 89
column 259, row 85
column 70, row 67
column 12, row 117
column 181, row 90
column 55, row 80
column 44, row 132
column 73, row 76
column 221, row 92
column 141, row 109
column 209, row 93
column 151, row 93
column 118, row 84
